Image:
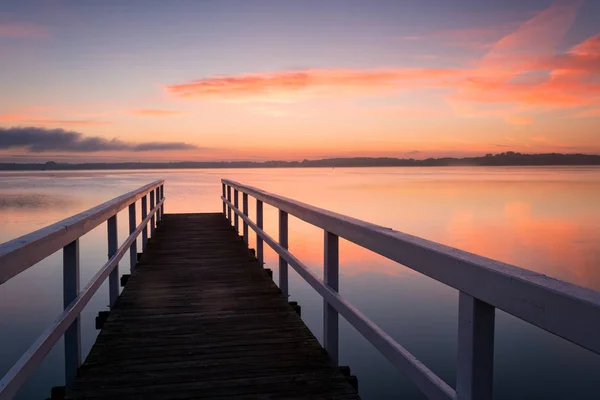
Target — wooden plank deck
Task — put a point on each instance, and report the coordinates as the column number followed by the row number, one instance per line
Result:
column 200, row 318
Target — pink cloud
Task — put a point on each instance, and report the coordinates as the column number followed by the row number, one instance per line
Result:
column 540, row 35
column 522, row 71
column 287, row 86
column 52, row 121
column 589, row 113
column 69, row 122
column 473, row 38
column 11, row 118
column 152, row 112
column 519, row 120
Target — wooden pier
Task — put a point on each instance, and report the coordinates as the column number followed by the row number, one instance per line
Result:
column 201, row 318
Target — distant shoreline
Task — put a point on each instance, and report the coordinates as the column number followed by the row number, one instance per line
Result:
column 489, row 160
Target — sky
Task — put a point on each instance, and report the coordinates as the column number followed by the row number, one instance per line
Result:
column 260, row 80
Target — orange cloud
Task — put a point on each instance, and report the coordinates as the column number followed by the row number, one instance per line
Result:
column 288, row 86
column 152, row 112
column 22, row 30
column 11, row 118
column 31, row 116
column 521, row 72
column 519, row 120
column 523, row 69
column 70, row 122
column 540, row 35
column 589, row 113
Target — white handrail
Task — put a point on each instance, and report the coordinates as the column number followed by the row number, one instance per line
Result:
column 564, row 309
column 423, row 377
column 66, row 234
column 20, row 254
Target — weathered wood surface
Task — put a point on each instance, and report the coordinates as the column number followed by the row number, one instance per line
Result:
column 200, row 318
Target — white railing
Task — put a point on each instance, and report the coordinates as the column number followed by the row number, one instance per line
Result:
column 564, row 309
column 20, row 254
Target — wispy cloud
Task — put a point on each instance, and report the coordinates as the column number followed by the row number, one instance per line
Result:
column 472, row 38
column 22, row 30
column 519, row 120
column 51, row 121
column 290, row 86
column 521, row 72
column 523, row 67
column 11, row 118
column 69, row 122
column 154, row 112
column 39, row 140
column 589, row 113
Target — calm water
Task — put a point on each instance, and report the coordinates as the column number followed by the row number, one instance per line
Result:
column 544, row 219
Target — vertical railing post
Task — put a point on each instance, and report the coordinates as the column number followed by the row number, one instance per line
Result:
column 151, row 211
column 113, row 244
column 70, row 292
column 259, row 223
column 245, row 211
column 224, row 204
column 229, row 216
column 162, row 197
column 144, row 215
column 474, row 380
column 330, row 315
column 283, row 241
column 133, row 247
column 237, row 206
column 157, row 192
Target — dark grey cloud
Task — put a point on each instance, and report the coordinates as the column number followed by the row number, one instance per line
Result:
column 39, row 140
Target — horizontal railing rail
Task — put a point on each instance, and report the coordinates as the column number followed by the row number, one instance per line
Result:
column 22, row 253
column 564, row 309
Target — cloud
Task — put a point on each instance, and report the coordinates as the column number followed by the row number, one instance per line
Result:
column 22, row 30
column 521, row 72
column 540, row 35
column 524, row 69
column 471, row 38
column 51, row 121
column 151, row 112
column 589, row 113
column 39, row 140
column 290, row 86
column 519, row 120
column 11, row 118
column 67, row 121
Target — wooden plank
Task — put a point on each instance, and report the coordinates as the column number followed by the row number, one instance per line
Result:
column 200, row 318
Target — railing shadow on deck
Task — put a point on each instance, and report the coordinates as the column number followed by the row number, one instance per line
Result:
column 22, row 253
column 566, row 310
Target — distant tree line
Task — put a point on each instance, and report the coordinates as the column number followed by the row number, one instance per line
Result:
column 509, row 158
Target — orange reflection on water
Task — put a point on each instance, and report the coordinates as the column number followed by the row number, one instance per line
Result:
column 544, row 219
column 555, row 246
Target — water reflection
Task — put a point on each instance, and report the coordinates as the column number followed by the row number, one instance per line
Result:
column 33, row 202
column 544, row 219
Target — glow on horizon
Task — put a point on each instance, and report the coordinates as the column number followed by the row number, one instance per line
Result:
column 529, row 82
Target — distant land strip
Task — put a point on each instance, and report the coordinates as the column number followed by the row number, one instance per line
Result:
column 502, row 159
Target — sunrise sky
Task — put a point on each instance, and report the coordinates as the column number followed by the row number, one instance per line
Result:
column 258, row 80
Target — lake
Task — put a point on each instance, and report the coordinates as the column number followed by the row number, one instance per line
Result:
column 546, row 219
